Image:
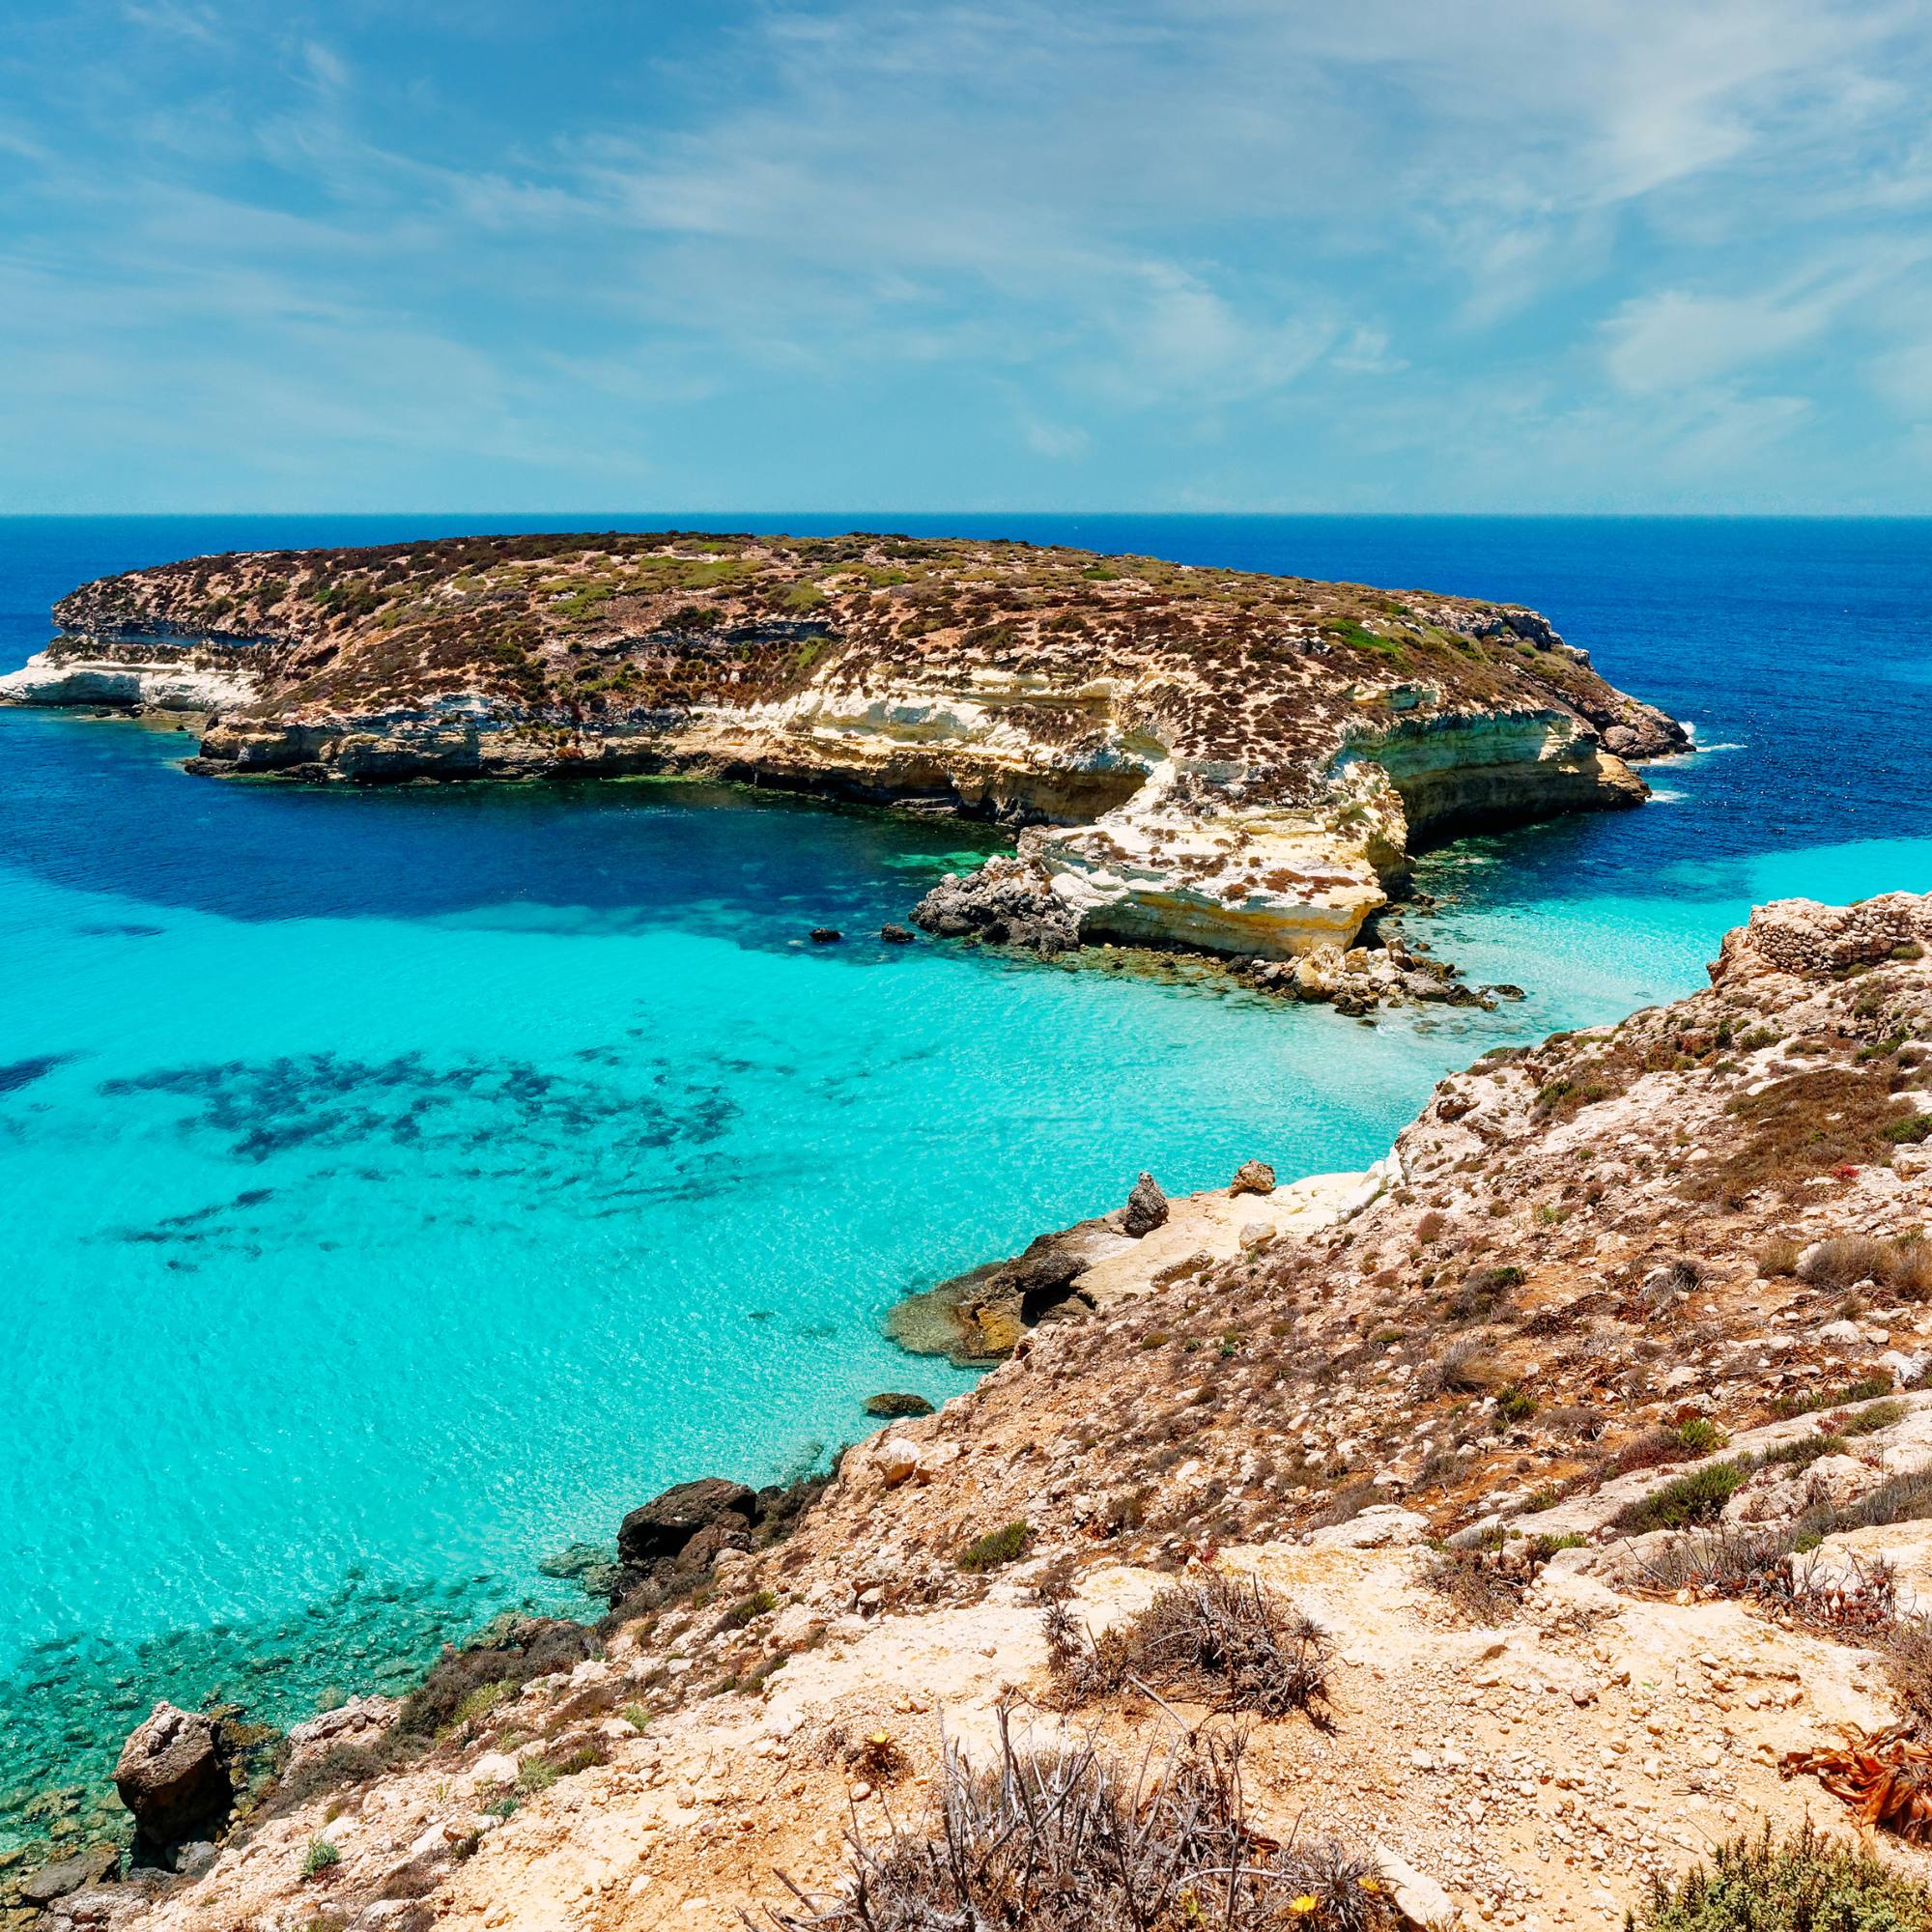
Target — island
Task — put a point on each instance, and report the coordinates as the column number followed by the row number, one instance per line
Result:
column 1212, row 759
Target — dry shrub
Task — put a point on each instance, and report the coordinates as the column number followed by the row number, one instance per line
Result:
column 1843, row 1262
column 1575, row 1420
column 1779, row 1258
column 1728, row 1560
column 1475, row 1586
column 1222, row 1640
column 1904, row 1266
column 510, row 1653
column 1466, row 1368
column 1060, row 1839
column 1799, row 1128
column 1649, row 1449
column 1907, row 1651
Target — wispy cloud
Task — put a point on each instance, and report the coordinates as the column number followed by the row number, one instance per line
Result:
column 962, row 252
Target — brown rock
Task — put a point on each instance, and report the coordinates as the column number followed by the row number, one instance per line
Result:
column 1146, row 1208
column 662, row 1526
column 1252, row 1177
column 171, row 1777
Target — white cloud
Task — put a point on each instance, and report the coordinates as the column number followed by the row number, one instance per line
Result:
column 1637, row 231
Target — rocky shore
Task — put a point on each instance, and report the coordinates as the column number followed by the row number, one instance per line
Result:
column 1195, row 758
column 1591, row 1436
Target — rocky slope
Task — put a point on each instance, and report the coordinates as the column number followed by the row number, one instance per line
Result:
column 1204, row 757
column 1588, row 1429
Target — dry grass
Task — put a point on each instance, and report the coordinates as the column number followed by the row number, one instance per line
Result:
column 1904, row 1266
column 1224, row 1641
column 1057, row 1838
column 1800, row 1127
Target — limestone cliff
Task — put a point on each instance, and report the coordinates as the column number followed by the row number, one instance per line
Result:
column 1206, row 758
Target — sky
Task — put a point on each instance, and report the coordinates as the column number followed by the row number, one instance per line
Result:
column 1207, row 255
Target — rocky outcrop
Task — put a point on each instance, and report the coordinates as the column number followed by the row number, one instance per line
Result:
column 172, row 1776
column 1193, row 758
column 1005, row 902
column 153, row 678
column 1801, row 936
column 684, row 1530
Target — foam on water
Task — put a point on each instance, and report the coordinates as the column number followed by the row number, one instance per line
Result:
column 398, row 1187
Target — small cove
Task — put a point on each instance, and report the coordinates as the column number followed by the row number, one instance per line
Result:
column 400, row 1185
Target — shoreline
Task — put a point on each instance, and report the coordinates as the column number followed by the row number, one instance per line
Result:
column 1442, row 1364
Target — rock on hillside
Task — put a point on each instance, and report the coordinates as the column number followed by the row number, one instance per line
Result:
column 1203, row 757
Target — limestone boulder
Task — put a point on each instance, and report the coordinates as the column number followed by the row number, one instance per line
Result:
column 172, row 1777
column 1379, row 1526
column 1146, row 1208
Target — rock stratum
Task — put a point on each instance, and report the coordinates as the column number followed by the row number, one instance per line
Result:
column 1592, row 1432
column 1198, row 757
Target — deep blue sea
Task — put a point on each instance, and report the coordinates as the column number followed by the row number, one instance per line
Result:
column 397, row 1186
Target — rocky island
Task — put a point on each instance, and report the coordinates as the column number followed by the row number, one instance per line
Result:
column 1204, row 758
column 1485, row 1546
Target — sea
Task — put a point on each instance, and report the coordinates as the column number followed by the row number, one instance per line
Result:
column 398, row 1185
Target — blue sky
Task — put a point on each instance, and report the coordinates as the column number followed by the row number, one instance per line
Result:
column 1159, row 254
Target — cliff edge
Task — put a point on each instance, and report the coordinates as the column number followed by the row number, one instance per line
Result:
column 1204, row 757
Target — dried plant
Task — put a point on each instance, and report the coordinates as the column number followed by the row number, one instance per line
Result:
column 1057, row 1838
column 1886, row 1778
column 1226, row 1641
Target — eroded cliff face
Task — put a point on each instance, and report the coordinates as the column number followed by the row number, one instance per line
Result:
column 1203, row 757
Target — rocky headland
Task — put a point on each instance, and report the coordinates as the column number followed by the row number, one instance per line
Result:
column 1530, row 1516
column 1190, row 757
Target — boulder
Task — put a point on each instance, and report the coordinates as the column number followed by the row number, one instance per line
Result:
column 172, row 1777
column 894, row 935
column 1417, row 1897
column 1146, row 1208
column 1252, row 1177
column 356, row 1724
column 892, row 1403
column 729, row 1531
column 662, row 1527
column 1009, row 901
column 1379, row 1526
column 896, row 1459
column 826, row 936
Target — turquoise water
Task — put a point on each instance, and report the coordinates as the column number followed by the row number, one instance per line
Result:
column 398, row 1187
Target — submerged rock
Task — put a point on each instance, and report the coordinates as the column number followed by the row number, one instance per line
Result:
column 892, row 1403
column 172, row 1777
column 65, row 1875
column 894, row 935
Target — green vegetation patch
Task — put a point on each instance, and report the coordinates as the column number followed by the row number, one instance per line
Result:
column 995, row 1547
column 1805, row 1882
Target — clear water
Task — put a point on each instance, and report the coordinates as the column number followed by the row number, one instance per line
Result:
column 397, row 1186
